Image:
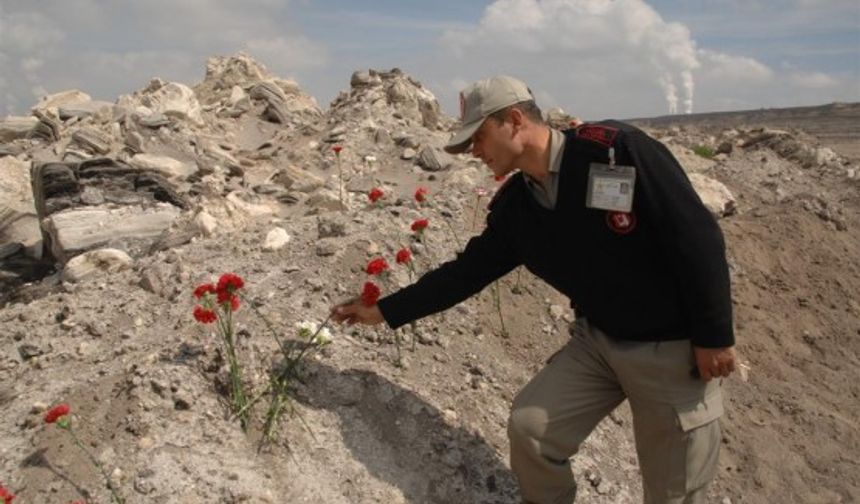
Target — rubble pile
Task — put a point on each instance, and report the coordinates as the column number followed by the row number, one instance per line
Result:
column 111, row 213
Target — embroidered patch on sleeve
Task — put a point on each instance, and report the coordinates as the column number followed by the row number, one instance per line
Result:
column 621, row 222
column 603, row 135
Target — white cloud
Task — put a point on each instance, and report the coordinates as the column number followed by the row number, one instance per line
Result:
column 108, row 48
column 814, row 80
column 620, row 39
column 287, row 54
column 731, row 69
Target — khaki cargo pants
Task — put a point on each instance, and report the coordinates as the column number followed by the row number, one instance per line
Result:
column 674, row 416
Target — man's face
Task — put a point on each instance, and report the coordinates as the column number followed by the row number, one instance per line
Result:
column 495, row 144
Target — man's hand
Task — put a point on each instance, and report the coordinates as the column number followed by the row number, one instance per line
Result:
column 714, row 362
column 354, row 311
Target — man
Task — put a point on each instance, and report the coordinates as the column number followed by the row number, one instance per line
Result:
column 604, row 214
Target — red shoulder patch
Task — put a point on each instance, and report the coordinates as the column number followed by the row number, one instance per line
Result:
column 603, row 135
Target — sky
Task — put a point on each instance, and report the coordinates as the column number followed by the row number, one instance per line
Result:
column 595, row 59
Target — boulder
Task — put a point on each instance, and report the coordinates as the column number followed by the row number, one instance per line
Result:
column 19, row 225
column 276, row 239
column 171, row 99
column 206, row 223
column 19, row 232
column 164, row 165
column 15, row 127
column 296, row 179
column 92, row 140
column 99, row 203
column 716, row 196
column 431, row 159
column 132, row 228
column 71, row 99
column 106, row 260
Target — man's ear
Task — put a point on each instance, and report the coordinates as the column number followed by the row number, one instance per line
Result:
column 517, row 119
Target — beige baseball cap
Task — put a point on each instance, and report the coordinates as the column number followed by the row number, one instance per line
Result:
column 480, row 100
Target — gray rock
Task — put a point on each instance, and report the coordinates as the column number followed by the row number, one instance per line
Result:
column 297, row 180
column 327, row 247
column 431, row 159
column 48, row 128
column 331, row 226
column 10, row 150
column 29, row 351
column 138, row 206
column 405, row 140
column 182, row 400
column 360, row 78
column 92, row 196
column 92, row 140
column 15, row 127
column 268, row 189
column 19, row 224
column 19, row 231
column 325, row 200
column 276, row 109
column 154, row 279
column 382, row 137
column 154, row 121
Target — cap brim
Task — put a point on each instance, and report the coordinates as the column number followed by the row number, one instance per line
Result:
column 462, row 139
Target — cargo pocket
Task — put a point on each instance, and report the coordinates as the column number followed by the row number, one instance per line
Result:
column 698, row 421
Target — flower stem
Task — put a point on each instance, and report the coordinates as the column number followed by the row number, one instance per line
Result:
column 114, row 494
column 497, row 301
column 453, row 232
column 237, row 389
column 475, row 213
column 340, row 180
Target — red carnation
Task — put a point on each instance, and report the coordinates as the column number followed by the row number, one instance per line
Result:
column 337, row 149
column 56, row 412
column 370, row 294
column 375, row 194
column 376, row 266
column 421, row 194
column 6, row 495
column 225, row 297
column 420, row 225
column 204, row 289
column 204, row 316
column 230, row 282
column 404, row 256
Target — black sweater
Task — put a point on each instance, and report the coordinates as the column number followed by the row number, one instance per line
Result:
column 664, row 279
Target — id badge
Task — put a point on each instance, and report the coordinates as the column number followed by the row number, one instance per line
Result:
column 610, row 187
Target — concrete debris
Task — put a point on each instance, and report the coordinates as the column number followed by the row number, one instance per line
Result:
column 714, row 194
column 15, row 127
column 105, row 260
column 276, row 239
